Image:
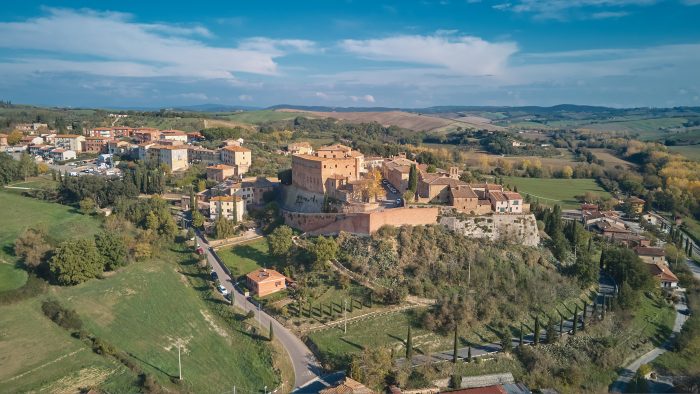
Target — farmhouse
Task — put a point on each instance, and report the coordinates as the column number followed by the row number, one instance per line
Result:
column 220, row 172
column 237, row 156
column 651, row 255
column 663, row 274
column 263, row 282
column 300, row 148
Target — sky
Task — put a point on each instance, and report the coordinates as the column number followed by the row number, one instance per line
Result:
column 408, row 54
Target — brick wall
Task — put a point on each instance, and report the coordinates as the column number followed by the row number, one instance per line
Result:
column 359, row 223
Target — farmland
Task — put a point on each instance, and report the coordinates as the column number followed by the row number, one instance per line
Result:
column 556, row 191
column 647, row 129
column 691, row 152
column 145, row 310
column 60, row 221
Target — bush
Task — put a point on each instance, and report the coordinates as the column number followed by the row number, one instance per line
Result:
column 99, row 346
column 32, row 288
column 66, row 318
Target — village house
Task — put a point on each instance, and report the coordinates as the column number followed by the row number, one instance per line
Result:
column 146, row 134
column 435, row 188
column 373, row 162
column 506, row 202
column 32, row 140
column 636, row 204
column 464, row 199
column 70, row 142
column 175, row 157
column 230, row 207
column 220, row 172
column 198, row 154
column 253, row 190
column 318, row 172
column 174, row 135
column 95, row 144
column 237, row 156
column 59, row 154
column 105, row 132
column 651, row 255
column 263, row 282
column 667, row 279
column 300, row 148
column 117, row 147
column 396, row 170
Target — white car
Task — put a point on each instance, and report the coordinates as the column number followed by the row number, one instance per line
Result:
column 222, row 290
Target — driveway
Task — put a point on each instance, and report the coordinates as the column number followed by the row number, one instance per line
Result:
column 306, row 367
column 630, row 370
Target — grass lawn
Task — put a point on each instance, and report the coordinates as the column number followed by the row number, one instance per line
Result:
column 244, row 258
column 62, row 222
column 11, row 277
column 148, row 308
column 691, row 152
column 37, row 355
column 39, row 182
column 556, row 191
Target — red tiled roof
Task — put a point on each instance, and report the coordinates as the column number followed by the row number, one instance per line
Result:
column 662, row 272
column 649, row 251
column 236, row 149
column 264, row 275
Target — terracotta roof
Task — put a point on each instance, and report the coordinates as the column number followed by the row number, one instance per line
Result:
column 67, row 136
column 310, row 157
column 336, row 147
column 234, row 148
column 484, row 202
column 462, row 192
column 264, row 275
column 649, row 251
column 225, row 198
column 513, row 195
column 486, row 186
column 349, row 386
column 662, row 272
column 635, row 200
column 171, row 147
column 498, row 196
column 58, row 150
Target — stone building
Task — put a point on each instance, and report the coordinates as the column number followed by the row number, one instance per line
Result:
column 319, row 172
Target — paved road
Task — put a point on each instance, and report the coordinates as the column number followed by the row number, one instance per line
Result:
column 694, row 268
column 630, row 370
column 306, row 367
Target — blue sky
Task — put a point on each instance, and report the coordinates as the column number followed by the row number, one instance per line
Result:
column 351, row 53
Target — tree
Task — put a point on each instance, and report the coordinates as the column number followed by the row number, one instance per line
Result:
column 14, row 137
column 567, row 172
column 454, row 349
column 76, row 261
column 197, row 219
column 409, row 345
column 537, row 331
column 27, row 166
column 325, row 249
column 575, row 320
column 33, row 247
column 371, row 366
column 280, row 241
column 272, row 333
column 413, row 178
column 87, row 206
column 469, row 354
column 550, row 332
column 224, row 228
column 201, row 185
column 112, row 248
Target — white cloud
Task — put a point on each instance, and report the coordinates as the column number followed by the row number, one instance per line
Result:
column 322, row 95
column 466, row 55
column 194, row 96
column 110, row 44
column 366, row 98
column 562, row 9
column 609, row 14
column 245, row 97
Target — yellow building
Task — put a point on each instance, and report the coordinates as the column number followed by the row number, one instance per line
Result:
column 328, row 165
column 228, row 206
column 237, row 156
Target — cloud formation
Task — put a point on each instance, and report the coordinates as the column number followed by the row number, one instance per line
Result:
column 467, row 55
column 562, row 9
column 111, row 44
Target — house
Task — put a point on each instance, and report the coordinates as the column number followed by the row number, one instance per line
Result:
column 72, row 142
column 663, row 274
column 253, row 190
column 174, row 135
column 300, row 148
column 105, row 132
column 263, row 282
column 32, row 140
column 373, row 162
column 237, row 156
column 220, row 172
column 636, row 204
column 651, row 255
column 59, row 154
column 117, row 147
column 230, row 207
column 236, row 142
column 463, row 198
column 506, row 202
column 175, row 157
column 95, row 144
column 316, row 172
column 3, row 139
column 348, row 386
column 146, row 134
column 435, row 188
column 198, row 154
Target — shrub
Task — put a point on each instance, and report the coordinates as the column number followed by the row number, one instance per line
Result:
column 66, row 318
column 99, row 346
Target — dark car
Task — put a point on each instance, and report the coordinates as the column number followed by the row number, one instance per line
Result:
column 214, row 276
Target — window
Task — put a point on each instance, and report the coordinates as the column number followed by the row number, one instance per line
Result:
column 516, row 202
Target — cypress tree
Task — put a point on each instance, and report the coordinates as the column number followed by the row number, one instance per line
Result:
column 537, row 331
column 575, row 322
column 272, row 333
column 583, row 321
column 521, row 335
column 561, row 325
column 454, row 350
column 469, row 354
column 409, row 345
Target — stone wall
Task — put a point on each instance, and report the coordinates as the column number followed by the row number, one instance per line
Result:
column 361, row 222
column 517, row 228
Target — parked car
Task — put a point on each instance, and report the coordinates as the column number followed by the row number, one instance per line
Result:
column 214, row 275
column 222, row 290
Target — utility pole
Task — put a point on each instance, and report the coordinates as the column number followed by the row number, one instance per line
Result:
column 179, row 361
column 345, row 316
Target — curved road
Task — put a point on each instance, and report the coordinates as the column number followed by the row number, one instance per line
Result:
column 306, row 367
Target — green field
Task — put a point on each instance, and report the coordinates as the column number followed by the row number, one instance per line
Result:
column 143, row 309
column 11, row 277
column 257, row 117
column 39, row 182
column 691, row 152
column 61, row 222
column 244, row 258
column 647, row 129
column 556, row 191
